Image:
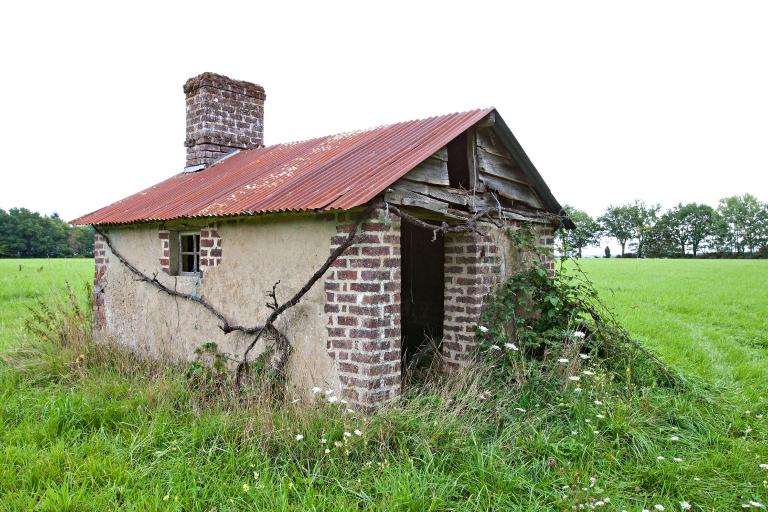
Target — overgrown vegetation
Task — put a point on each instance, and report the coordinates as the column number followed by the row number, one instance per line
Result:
column 85, row 426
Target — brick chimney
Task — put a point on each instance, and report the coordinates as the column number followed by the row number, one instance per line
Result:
column 222, row 115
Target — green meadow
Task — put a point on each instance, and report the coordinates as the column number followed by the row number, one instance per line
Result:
column 84, row 427
column 706, row 318
column 24, row 281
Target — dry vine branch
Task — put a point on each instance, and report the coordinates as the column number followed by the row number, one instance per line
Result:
column 469, row 225
column 160, row 286
column 349, row 241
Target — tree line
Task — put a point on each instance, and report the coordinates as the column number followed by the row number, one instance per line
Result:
column 737, row 227
column 27, row 234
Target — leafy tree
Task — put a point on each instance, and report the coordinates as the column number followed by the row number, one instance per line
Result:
column 587, row 232
column 643, row 219
column 659, row 242
column 745, row 223
column 619, row 222
column 27, row 234
column 689, row 225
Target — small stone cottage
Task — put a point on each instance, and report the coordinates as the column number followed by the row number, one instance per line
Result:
column 242, row 216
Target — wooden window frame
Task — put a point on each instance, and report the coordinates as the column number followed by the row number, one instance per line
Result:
column 195, row 253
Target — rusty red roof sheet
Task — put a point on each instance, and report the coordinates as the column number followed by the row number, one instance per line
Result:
column 334, row 172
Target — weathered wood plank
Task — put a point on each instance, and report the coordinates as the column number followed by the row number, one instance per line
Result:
column 503, row 167
column 405, row 198
column 431, row 170
column 511, row 190
column 440, row 193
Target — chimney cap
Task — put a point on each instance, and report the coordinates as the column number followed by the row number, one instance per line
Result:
column 216, row 81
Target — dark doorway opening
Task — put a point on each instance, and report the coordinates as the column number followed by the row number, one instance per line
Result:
column 423, row 282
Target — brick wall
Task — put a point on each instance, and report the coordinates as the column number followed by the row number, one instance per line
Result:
column 471, row 270
column 222, row 115
column 363, row 310
column 165, row 250
column 546, row 236
column 210, row 247
column 99, row 281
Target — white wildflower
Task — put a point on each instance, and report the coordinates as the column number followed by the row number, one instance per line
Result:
column 660, row 457
column 588, row 373
column 574, row 378
column 358, row 432
column 327, row 451
column 347, row 434
column 685, row 505
column 697, row 479
column 578, row 334
column 577, row 390
column 674, row 438
column 328, row 391
column 563, row 360
column 756, row 504
column 483, row 329
column 333, row 399
column 599, row 503
column 299, row 437
column 600, row 416
column 512, row 347
column 659, row 507
column 598, row 402
column 592, row 481
column 587, row 420
column 677, row 459
column 342, row 401
column 607, row 500
column 764, row 466
column 584, row 356
column 574, row 432
column 316, row 390
column 495, row 347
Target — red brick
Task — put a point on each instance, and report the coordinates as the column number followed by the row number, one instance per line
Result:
column 379, row 250
column 370, row 334
column 365, row 263
column 365, row 287
column 349, row 368
column 375, row 275
column 346, row 274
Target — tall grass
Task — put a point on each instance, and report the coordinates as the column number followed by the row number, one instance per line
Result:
column 89, row 426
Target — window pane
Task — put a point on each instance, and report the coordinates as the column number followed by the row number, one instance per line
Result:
column 187, row 243
column 188, row 263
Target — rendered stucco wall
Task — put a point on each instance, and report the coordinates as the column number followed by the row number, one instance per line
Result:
column 256, row 252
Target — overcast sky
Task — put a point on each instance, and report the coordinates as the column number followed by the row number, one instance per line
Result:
column 613, row 101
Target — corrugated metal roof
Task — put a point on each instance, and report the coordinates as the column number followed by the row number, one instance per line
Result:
column 334, row 172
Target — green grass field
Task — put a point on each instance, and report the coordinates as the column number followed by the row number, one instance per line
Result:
column 707, row 318
column 116, row 435
column 22, row 282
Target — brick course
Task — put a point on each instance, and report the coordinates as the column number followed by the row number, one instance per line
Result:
column 99, row 281
column 472, row 269
column 222, row 115
column 363, row 310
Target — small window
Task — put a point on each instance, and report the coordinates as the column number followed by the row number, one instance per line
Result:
column 189, row 253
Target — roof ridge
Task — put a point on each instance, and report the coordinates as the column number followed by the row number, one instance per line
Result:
column 375, row 127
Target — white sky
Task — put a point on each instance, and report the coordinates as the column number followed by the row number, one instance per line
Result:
column 661, row 101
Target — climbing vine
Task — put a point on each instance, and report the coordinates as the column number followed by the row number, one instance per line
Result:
column 539, row 320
